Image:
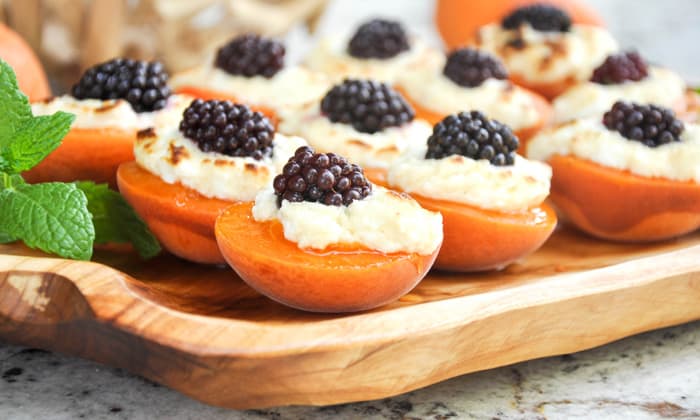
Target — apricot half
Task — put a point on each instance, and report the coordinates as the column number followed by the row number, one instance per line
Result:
column 208, row 94
column 476, row 239
column 541, row 105
column 182, row 219
column 338, row 279
column 618, row 205
column 86, row 155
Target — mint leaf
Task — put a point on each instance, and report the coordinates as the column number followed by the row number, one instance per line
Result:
column 5, row 238
column 52, row 217
column 14, row 105
column 34, row 140
column 116, row 221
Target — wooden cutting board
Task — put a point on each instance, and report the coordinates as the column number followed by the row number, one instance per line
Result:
column 202, row 331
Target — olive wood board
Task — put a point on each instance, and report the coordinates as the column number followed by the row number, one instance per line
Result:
column 202, row 331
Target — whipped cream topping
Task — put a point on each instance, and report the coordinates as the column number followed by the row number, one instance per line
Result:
column 113, row 113
column 478, row 183
column 330, row 56
column 548, row 57
column 166, row 153
column 292, row 86
column 384, row 221
column 661, row 87
column 426, row 85
column 375, row 150
column 589, row 139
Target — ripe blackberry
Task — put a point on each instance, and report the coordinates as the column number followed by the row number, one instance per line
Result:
column 649, row 124
column 470, row 67
column 143, row 84
column 227, row 128
column 368, row 106
column 251, row 55
column 320, row 177
column 542, row 17
column 472, row 135
column 378, row 38
column 618, row 68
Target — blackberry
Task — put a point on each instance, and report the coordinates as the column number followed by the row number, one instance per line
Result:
column 470, row 67
column 378, row 38
column 143, row 84
column 618, row 68
column 251, row 55
column 320, row 177
column 472, row 135
column 542, row 17
column 227, row 128
column 649, row 124
column 368, row 106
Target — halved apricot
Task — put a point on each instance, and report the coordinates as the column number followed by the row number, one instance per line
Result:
column 182, row 219
column 86, row 154
column 544, row 110
column 207, row 94
column 618, row 205
column 476, row 239
column 338, row 279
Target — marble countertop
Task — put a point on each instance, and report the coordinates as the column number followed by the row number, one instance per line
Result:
column 650, row 376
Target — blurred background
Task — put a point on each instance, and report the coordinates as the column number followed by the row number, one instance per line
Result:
column 70, row 35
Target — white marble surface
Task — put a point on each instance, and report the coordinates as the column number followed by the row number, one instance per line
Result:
column 650, row 376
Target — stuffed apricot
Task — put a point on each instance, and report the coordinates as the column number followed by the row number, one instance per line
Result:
column 324, row 239
column 112, row 101
column 543, row 51
column 490, row 198
column 438, row 86
column 185, row 175
column 631, row 177
column 250, row 69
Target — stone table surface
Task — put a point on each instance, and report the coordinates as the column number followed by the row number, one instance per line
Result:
column 649, row 376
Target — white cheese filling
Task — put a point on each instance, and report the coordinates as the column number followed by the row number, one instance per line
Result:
column 291, row 86
column 661, row 87
column 478, row 183
column 113, row 113
column 377, row 150
column 548, row 57
column 426, row 85
column 176, row 159
column 330, row 56
column 384, row 221
column 589, row 139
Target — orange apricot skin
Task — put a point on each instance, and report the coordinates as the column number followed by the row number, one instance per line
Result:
column 207, row 94
column 479, row 240
column 182, row 219
column 620, row 206
column 86, row 154
column 543, row 107
column 347, row 279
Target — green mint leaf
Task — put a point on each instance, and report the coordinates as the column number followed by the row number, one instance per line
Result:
column 6, row 238
column 116, row 221
column 9, row 181
column 14, row 105
column 52, row 217
column 33, row 141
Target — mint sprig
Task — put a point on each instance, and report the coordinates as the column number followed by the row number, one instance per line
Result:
column 116, row 221
column 60, row 218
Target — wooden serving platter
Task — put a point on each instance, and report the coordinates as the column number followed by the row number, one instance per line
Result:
column 202, row 331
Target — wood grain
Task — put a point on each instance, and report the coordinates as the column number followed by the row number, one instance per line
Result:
column 202, row 331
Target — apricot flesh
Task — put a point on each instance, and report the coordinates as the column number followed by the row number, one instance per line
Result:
column 182, row 219
column 337, row 279
column 477, row 240
column 86, row 155
column 621, row 206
